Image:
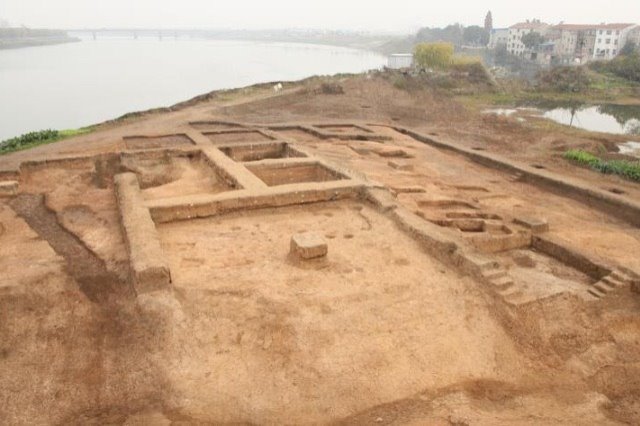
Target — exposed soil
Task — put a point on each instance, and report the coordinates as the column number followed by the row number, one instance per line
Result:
column 379, row 331
column 83, row 265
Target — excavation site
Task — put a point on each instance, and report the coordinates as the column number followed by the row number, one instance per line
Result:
column 309, row 255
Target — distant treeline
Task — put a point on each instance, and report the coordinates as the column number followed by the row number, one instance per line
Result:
column 14, row 38
column 456, row 34
column 12, row 33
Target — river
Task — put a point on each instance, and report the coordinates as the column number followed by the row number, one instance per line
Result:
column 79, row 84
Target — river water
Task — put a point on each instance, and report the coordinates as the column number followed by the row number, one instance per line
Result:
column 78, row 84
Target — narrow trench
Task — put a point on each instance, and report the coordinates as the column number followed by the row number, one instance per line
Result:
column 89, row 271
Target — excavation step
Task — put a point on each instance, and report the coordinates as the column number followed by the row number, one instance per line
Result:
column 503, row 283
column 9, row 188
column 308, row 245
column 612, row 282
column 393, row 153
column 536, row 225
column 401, row 165
column 620, row 276
column 511, row 294
column 494, row 274
column 602, row 287
column 595, row 292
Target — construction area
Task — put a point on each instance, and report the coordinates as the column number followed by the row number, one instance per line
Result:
column 314, row 256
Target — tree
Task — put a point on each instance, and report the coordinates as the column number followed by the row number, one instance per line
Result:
column 488, row 22
column 451, row 33
column 476, row 35
column 433, row 55
column 532, row 40
column 629, row 48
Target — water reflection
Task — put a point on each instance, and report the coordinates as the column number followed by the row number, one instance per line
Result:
column 606, row 118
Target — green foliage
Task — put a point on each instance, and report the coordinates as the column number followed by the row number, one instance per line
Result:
column 565, row 79
column 475, row 35
column 629, row 48
column 451, row 34
column 625, row 66
column 627, row 169
column 433, row 55
column 532, row 40
column 32, row 139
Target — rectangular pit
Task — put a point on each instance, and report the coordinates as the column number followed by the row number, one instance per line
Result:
column 162, row 141
column 169, row 174
column 214, row 126
column 539, row 275
column 285, row 174
column 257, row 152
column 342, row 128
column 237, row 136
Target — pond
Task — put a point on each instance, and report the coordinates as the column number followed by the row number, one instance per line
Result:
column 606, row 118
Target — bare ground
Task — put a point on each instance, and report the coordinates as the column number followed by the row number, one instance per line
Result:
column 378, row 332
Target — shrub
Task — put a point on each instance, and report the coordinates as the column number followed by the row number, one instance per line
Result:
column 433, row 55
column 28, row 139
column 331, row 89
column 627, row 169
column 627, row 66
column 564, row 79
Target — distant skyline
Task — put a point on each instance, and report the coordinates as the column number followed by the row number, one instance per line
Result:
column 397, row 16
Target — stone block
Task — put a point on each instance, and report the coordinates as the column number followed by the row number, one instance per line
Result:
column 393, row 153
column 8, row 188
column 308, row 245
column 359, row 149
column 536, row 226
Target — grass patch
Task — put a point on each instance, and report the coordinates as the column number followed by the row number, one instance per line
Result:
column 624, row 168
column 41, row 137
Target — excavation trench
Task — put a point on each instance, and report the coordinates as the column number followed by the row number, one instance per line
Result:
column 89, row 271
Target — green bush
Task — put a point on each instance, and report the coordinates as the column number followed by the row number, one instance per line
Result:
column 31, row 139
column 627, row 169
column 433, row 55
column 625, row 66
column 28, row 139
column 565, row 79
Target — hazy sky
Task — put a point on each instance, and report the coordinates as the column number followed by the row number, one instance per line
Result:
column 394, row 15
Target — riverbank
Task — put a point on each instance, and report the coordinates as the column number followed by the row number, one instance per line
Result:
column 17, row 38
column 35, row 42
column 103, row 79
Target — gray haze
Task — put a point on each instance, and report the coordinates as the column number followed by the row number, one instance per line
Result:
column 396, row 15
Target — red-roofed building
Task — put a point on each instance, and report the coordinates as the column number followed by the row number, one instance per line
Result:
column 573, row 43
column 514, row 42
column 610, row 39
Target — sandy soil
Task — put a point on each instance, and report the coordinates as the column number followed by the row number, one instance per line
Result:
column 378, row 332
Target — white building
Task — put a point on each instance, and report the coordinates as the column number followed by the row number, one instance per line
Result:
column 499, row 37
column 610, row 39
column 398, row 61
column 514, row 42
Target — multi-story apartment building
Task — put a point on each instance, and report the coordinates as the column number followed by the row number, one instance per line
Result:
column 514, row 42
column 610, row 39
column 572, row 43
column 499, row 37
